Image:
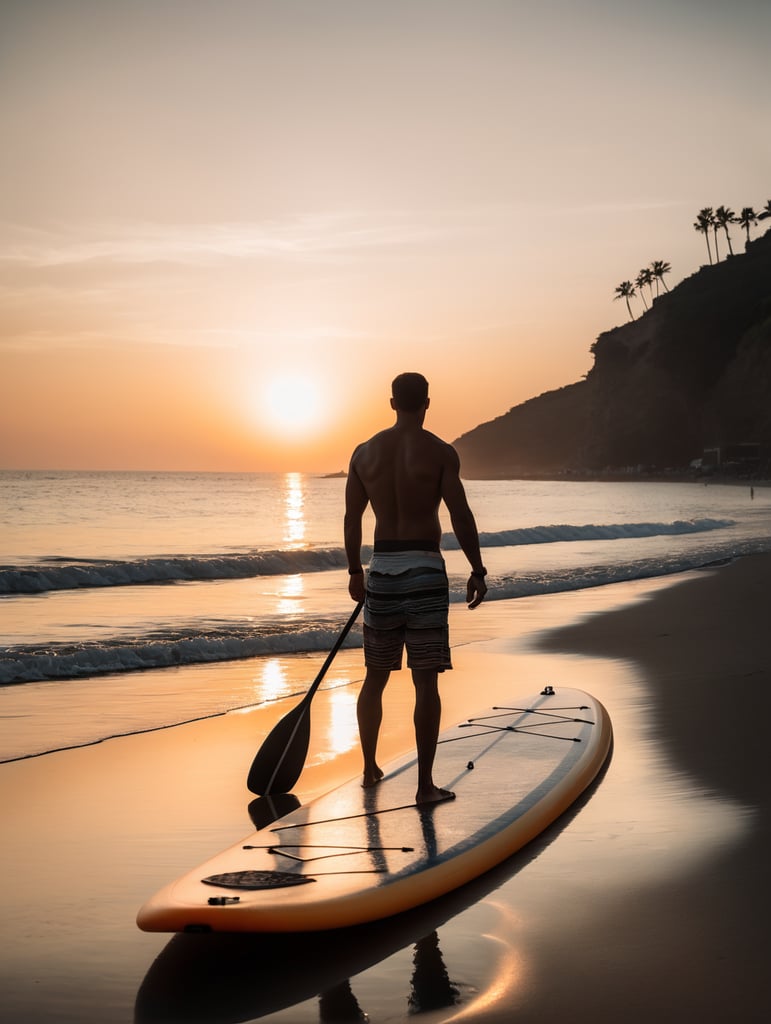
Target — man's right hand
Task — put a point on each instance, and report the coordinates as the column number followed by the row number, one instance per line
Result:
column 356, row 586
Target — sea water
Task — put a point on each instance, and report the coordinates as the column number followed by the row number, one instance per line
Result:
column 112, row 583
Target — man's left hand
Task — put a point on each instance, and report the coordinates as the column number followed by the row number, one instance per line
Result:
column 476, row 588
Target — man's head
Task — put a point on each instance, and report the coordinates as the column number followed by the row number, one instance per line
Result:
column 409, row 392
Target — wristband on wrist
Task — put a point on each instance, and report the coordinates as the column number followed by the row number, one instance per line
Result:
column 355, row 572
column 481, row 574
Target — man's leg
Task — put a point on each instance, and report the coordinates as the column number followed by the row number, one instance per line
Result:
column 369, row 712
column 428, row 713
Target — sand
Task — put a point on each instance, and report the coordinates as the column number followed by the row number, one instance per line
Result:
column 648, row 902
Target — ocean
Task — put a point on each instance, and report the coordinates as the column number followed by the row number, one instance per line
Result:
column 111, row 582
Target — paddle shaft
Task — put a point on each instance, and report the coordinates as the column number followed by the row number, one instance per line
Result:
column 284, row 749
column 338, row 644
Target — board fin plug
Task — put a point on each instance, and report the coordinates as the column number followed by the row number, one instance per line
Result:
column 547, row 691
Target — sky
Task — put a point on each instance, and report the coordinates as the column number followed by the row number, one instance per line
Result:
column 226, row 225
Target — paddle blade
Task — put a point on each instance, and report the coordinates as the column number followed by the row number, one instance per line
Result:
column 279, row 761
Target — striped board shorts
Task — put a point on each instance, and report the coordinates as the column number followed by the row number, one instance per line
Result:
column 406, row 605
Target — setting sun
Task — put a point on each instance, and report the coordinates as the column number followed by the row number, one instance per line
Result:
column 291, row 403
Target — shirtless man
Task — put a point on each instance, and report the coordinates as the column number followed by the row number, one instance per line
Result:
column 405, row 473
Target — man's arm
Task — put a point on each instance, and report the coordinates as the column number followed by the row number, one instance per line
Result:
column 356, row 501
column 464, row 526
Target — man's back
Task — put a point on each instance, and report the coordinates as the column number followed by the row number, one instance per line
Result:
column 400, row 471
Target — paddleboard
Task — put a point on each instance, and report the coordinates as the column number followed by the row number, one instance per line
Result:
column 357, row 855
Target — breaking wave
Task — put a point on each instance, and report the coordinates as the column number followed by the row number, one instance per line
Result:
column 29, row 663
column 72, row 574
column 201, row 642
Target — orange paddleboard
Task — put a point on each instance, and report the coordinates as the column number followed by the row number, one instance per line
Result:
column 356, row 855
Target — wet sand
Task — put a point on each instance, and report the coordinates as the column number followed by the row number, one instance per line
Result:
column 649, row 901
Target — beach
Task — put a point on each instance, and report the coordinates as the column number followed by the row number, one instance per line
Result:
column 648, row 900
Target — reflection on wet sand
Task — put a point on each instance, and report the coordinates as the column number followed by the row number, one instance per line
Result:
column 430, row 987
column 220, row 978
column 430, row 983
column 338, row 1005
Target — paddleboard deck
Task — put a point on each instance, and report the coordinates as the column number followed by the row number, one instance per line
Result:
column 356, row 855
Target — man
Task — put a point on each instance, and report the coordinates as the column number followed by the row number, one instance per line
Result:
column 405, row 473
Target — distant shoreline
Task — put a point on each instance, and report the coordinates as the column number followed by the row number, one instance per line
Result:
column 618, row 476
column 583, row 476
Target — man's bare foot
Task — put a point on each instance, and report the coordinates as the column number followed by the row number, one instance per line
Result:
column 372, row 778
column 433, row 795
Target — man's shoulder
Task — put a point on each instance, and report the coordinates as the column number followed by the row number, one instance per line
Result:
column 374, row 442
column 368, row 453
column 435, row 439
column 443, row 448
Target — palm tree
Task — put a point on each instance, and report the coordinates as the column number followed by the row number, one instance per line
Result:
column 644, row 277
column 766, row 211
column 724, row 216
column 746, row 218
column 626, row 291
column 658, row 269
column 715, row 229
column 703, row 224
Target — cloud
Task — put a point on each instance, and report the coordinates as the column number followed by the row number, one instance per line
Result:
column 320, row 236
column 314, row 236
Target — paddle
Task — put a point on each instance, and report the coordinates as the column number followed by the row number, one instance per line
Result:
column 278, row 763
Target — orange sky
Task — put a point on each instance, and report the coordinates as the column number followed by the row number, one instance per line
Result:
column 221, row 235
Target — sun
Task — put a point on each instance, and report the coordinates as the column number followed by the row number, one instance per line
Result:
column 291, row 403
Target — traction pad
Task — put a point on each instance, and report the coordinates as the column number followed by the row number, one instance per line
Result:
column 256, row 879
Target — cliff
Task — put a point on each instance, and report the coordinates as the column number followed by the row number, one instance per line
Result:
column 692, row 373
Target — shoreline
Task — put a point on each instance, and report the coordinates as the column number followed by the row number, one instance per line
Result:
column 717, row 646
column 649, row 900
column 632, row 477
